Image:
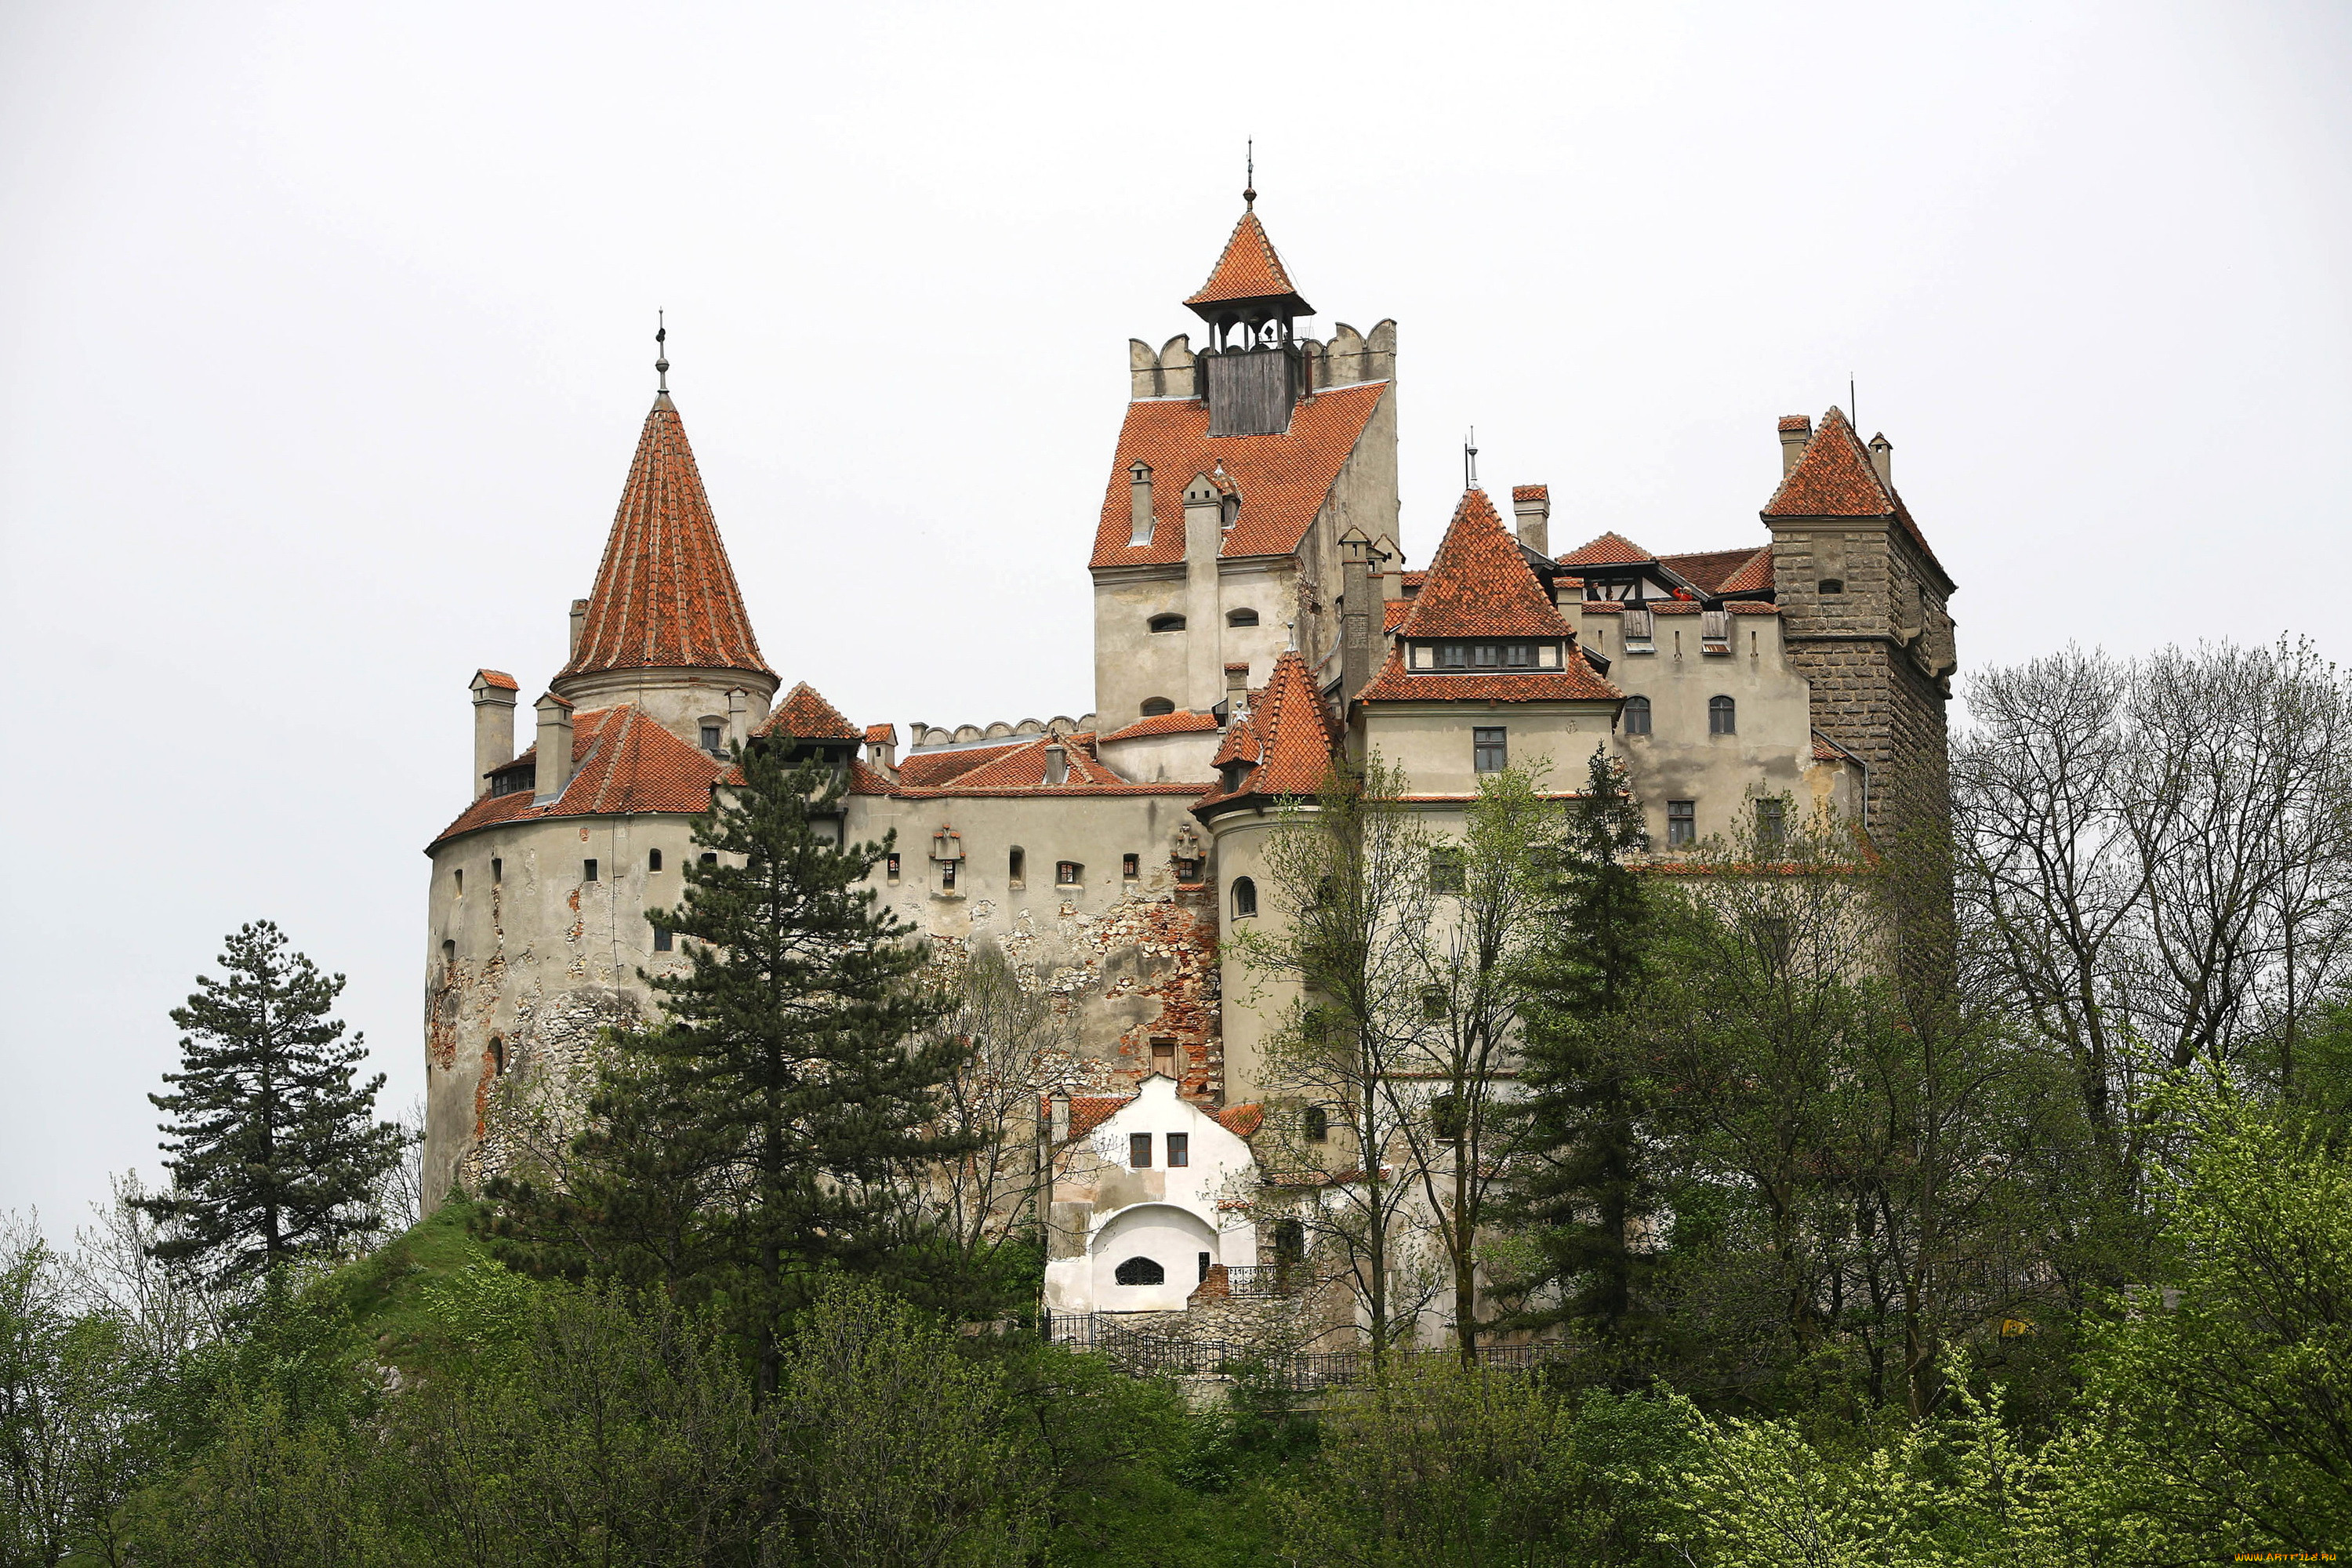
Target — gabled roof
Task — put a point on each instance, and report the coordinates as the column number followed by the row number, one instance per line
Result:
column 496, row 680
column 925, row 770
column 623, row 762
column 1609, row 550
column 1756, row 577
column 881, row 734
column 1479, row 583
column 1707, row 570
column 1532, row 492
column 665, row 595
column 1248, row 269
column 804, row 715
column 1835, row 478
column 1284, row 480
column 1284, row 741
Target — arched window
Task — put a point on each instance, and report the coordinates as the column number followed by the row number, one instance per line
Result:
column 1637, row 715
column 1157, row 706
column 1244, row 898
column 1141, row 1271
column 653, row 859
column 1167, row 623
column 498, row 1056
column 1315, row 1123
column 1242, row 618
column 1722, row 716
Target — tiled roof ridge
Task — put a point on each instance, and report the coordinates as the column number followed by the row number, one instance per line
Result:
column 1248, row 268
column 1609, row 549
column 1479, row 583
column 1285, row 739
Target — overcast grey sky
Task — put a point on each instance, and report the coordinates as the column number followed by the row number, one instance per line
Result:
column 328, row 333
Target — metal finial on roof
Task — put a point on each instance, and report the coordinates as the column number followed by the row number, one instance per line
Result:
column 661, row 352
column 1470, row 461
column 1249, row 182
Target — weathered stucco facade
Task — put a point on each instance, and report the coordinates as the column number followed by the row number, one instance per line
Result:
column 1253, row 617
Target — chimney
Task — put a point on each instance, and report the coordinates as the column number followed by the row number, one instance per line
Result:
column 1355, row 601
column 579, row 621
column 884, row 753
column 1237, row 687
column 1796, row 429
column 494, row 706
column 739, row 724
column 1882, row 457
column 1532, row 503
column 1057, row 763
column 1061, row 1116
column 555, row 749
column 1139, row 504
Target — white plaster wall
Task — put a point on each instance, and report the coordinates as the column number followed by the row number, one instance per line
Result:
column 1131, row 661
column 1433, row 743
column 1721, row 775
column 1164, row 759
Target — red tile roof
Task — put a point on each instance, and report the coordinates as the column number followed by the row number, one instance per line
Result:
column 623, row 762
column 497, row 678
column 881, row 734
column 1181, row 723
column 1247, row 269
column 1532, row 492
column 1756, row 577
column 1834, row 477
column 1796, row 422
column 804, row 715
column 1609, row 550
column 1479, row 583
column 927, row 769
column 1284, row 741
column 1089, row 1111
column 1707, row 569
column 665, row 594
column 1024, row 767
column 1284, row 478
column 1241, row 1120
column 1393, row 612
column 1579, row 682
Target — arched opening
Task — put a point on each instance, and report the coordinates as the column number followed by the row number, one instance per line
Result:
column 1157, row 707
column 1141, row 1271
column 1242, row 618
column 1166, row 623
column 1637, row 715
column 498, row 1056
column 1722, row 716
column 653, row 860
column 1244, row 898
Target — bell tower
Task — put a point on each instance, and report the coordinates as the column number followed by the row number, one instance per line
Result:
column 1253, row 373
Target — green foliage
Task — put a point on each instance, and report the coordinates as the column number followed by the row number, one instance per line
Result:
column 1583, row 1191
column 761, row 1133
column 276, row 1155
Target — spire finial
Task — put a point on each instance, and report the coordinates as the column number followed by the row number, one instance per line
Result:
column 661, row 352
column 1249, row 181
column 1470, row 461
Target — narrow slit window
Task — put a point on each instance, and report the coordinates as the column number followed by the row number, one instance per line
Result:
column 1204, row 1266
column 461, row 881
column 890, row 865
column 1015, row 864
column 947, row 876
column 497, row 871
column 653, row 860
column 1138, row 1149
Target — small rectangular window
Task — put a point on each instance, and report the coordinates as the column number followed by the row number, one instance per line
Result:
column 1163, row 1057
column 1066, row 872
column 946, row 875
column 1715, row 632
column 1771, row 821
column 461, row 881
column 1485, row 655
column 587, row 870
column 1518, row 654
column 1452, row 656
column 1639, row 631
column 1447, row 872
column 1138, row 1149
column 1130, row 867
column 1489, row 750
column 710, row 857
column 661, row 939
column 710, row 740
column 498, row 870
column 1180, row 1148
column 1682, row 822
column 890, row 865
column 653, row 860
column 1016, row 864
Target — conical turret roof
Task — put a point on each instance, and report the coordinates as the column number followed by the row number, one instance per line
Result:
column 666, row 595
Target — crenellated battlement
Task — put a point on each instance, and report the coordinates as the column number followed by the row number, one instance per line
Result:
column 921, row 735
column 1348, row 359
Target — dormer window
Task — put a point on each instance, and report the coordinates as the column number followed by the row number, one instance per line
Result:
column 1487, row 657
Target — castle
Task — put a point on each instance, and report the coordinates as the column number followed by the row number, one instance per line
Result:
column 1254, row 616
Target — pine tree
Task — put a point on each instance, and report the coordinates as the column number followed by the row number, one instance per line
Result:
column 1583, row 1192
column 275, row 1155
column 767, row 1130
